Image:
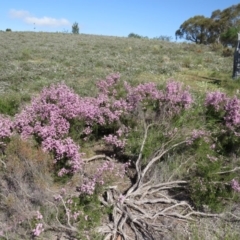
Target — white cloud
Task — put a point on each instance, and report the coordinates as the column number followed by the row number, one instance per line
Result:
column 18, row 13
column 43, row 21
column 47, row 21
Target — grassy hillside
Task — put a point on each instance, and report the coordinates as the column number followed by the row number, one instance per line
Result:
column 158, row 160
column 32, row 60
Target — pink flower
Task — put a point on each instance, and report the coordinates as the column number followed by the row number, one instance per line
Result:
column 6, row 127
column 39, row 215
column 235, row 185
column 38, row 229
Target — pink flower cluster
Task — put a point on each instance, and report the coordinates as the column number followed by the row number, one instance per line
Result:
column 6, row 128
column 89, row 184
column 146, row 91
column 48, row 118
column 230, row 107
column 39, row 226
column 104, row 86
column 106, row 109
column 115, row 141
column 235, row 185
column 39, row 215
column 196, row 134
column 38, row 229
column 174, row 96
column 64, row 148
column 216, row 100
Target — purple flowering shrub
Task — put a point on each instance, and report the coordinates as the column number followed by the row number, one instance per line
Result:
column 60, row 121
column 51, row 116
column 47, row 120
column 226, row 109
column 223, row 118
column 172, row 99
column 57, row 115
column 6, row 129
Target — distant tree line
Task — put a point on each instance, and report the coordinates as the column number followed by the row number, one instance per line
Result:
column 161, row 38
column 222, row 27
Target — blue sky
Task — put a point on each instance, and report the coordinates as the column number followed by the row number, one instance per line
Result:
column 149, row 18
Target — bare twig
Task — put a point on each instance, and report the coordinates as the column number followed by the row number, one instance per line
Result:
column 229, row 171
column 97, row 157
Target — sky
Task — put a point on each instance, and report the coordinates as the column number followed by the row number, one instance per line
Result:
column 150, row 18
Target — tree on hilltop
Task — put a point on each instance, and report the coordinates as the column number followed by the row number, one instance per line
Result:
column 196, row 29
column 75, row 28
column 222, row 26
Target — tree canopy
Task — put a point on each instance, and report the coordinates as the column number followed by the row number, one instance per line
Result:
column 222, row 27
column 75, row 28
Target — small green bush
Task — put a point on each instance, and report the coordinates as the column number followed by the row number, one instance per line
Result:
column 134, row 35
column 208, row 188
column 10, row 103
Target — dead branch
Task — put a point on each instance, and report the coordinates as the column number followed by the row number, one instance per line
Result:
column 4, row 164
column 97, row 157
column 229, row 171
column 139, row 213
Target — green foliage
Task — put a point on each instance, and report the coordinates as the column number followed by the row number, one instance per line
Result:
column 10, row 103
column 91, row 215
column 8, row 30
column 215, row 156
column 196, row 29
column 75, row 28
column 223, row 25
column 134, row 35
column 230, row 36
column 208, row 187
column 76, row 128
column 209, row 181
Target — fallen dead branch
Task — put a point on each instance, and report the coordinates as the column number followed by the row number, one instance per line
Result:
column 140, row 212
